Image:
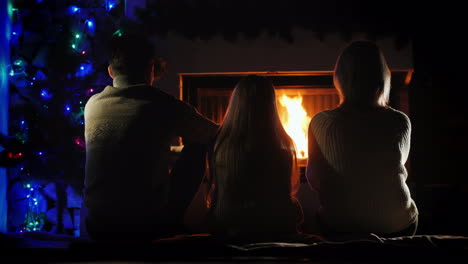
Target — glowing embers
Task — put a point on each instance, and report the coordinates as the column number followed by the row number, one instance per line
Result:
column 295, row 121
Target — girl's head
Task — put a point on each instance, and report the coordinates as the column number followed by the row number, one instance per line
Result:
column 251, row 127
column 252, row 107
column 362, row 76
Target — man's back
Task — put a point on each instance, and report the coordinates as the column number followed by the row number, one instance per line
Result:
column 128, row 132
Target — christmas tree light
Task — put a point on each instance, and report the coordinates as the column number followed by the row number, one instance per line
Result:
column 52, row 78
column 73, row 9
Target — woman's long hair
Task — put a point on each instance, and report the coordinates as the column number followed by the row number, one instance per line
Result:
column 251, row 127
column 362, row 76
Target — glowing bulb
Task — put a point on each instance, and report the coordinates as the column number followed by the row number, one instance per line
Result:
column 90, row 23
column 28, row 185
column 82, row 68
column 12, row 73
column 77, row 36
column 73, row 46
column 74, row 9
column 45, row 94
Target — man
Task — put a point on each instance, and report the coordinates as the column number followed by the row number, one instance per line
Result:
column 129, row 193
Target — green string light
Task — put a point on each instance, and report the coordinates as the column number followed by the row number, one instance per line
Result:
column 117, row 33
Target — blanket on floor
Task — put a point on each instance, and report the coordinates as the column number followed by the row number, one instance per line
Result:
column 43, row 247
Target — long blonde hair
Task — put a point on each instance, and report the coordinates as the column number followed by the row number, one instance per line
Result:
column 252, row 125
column 361, row 75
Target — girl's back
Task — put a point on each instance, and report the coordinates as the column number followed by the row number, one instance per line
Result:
column 253, row 167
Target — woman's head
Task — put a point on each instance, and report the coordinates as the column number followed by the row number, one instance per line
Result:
column 362, row 76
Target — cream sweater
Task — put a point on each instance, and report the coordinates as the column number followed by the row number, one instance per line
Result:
column 128, row 131
column 367, row 151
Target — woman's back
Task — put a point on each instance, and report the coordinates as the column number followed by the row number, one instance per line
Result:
column 367, row 151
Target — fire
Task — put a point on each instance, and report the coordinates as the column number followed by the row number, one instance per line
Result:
column 296, row 122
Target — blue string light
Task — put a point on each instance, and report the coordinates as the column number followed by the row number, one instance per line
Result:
column 111, row 4
column 45, row 94
column 73, row 9
column 84, row 69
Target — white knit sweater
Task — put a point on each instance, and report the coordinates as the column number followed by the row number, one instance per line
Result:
column 128, row 131
column 367, row 152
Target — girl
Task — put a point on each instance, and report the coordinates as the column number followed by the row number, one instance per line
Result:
column 254, row 176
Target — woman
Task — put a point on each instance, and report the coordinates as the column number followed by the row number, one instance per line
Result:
column 358, row 151
column 254, row 176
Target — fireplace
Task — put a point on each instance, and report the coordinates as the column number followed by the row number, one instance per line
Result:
column 300, row 95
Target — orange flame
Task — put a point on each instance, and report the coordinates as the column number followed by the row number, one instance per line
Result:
column 296, row 122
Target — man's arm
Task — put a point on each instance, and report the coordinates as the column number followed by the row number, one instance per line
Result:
column 194, row 127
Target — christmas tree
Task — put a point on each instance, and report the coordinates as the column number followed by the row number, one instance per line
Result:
column 58, row 60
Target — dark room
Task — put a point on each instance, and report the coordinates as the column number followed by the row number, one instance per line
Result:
column 117, row 118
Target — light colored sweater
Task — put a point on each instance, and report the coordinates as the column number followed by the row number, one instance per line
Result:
column 128, row 131
column 366, row 188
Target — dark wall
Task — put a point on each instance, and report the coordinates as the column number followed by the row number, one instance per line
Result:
column 439, row 113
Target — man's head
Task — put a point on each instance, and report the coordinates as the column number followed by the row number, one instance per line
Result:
column 132, row 55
